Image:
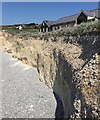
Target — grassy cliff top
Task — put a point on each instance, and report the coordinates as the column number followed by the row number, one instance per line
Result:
column 30, row 33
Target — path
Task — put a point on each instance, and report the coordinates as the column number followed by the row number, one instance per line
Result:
column 23, row 95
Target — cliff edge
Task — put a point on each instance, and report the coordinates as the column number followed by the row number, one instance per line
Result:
column 70, row 68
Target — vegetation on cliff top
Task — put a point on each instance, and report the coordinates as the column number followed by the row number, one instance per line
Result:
column 64, row 32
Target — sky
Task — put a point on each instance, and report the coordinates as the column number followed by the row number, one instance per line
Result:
column 36, row 12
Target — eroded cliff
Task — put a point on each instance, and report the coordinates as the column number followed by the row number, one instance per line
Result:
column 71, row 69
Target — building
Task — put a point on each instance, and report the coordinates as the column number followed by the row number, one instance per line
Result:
column 19, row 27
column 83, row 16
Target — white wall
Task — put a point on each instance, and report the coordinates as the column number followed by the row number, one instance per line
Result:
column 90, row 18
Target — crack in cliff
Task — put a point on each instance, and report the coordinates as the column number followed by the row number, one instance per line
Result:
column 71, row 70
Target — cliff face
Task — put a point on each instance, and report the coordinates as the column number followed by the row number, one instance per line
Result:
column 71, row 69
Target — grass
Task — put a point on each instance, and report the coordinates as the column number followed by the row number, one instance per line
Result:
column 22, row 33
column 75, row 30
column 64, row 32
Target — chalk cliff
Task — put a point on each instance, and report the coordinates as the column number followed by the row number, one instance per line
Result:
column 70, row 68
